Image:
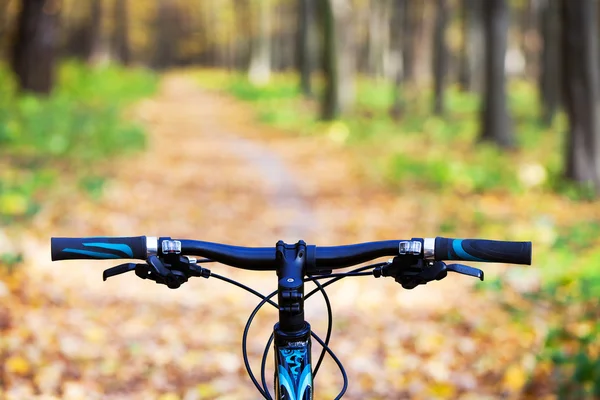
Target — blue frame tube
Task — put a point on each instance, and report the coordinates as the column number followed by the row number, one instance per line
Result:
column 293, row 367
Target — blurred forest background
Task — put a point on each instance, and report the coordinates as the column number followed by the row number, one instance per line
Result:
column 485, row 112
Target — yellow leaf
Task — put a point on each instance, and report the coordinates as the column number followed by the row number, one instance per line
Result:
column 441, row 390
column 168, row 396
column 206, row 390
column 95, row 335
column 13, row 204
column 514, row 378
column 17, row 365
column 582, row 329
column 338, row 132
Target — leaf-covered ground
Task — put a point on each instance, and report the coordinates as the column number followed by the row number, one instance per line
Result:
column 211, row 173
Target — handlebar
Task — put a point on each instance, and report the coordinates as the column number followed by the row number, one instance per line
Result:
column 101, row 248
column 264, row 258
column 483, row 250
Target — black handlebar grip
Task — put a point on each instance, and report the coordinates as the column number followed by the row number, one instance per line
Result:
column 99, row 248
column 483, row 250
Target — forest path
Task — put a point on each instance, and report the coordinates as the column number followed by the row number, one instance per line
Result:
column 211, row 173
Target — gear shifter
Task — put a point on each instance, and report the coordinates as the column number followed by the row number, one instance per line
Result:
column 410, row 274
column 172, row 274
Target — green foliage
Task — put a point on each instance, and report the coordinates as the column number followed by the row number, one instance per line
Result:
column 572, row 343
column 93, row 185
column 478, row 172
column 80, row 120
column 570, row 293
column 280, row 89
column 437, row 153
column 79, row 124
column 10, row 261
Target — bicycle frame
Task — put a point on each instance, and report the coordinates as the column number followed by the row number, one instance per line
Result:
column 293, row 368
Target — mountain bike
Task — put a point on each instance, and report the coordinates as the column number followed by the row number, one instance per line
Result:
column 172, row 262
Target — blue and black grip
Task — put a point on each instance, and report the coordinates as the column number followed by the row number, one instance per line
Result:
column 99, row 248
column 483, row 250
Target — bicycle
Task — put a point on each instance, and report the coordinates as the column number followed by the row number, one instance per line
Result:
column 171, row 262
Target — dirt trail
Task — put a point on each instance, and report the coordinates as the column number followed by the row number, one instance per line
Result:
column 211, row 173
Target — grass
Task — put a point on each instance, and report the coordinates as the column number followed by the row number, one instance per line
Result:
column 43, row 139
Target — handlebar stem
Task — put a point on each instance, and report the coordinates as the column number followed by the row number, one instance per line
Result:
column 291, row 269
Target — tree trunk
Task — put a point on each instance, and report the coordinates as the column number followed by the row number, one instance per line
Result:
column 345, row 36
column 4, row 21
column 464, row 72
column 440, row 57
column 377, row 38
column 95, row 30
column 471, row 53
column 396, row 40
column 121, row 32
column 83, row 39
column 243, row 33
column 284, row 37
column 259, row 72
column 550, row 74
column 165, row 38
column 35, row 45
column 330, row 107
column 581, row 90
column 496, row 125
column 408, row 41
column 424, row 27
column 305, row 43
column 406, row 11
column 529, row 22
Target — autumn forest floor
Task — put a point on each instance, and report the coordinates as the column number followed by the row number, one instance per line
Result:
column 210, row 172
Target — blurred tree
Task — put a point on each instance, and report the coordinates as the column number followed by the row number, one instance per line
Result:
column 495, row 121
column 121, row 32
column 167, row 34
column 528, row 29
column 3, row 25
column 284, row 36
column 330, row 106
column 471, row 51
column 338, row 58
column 581, row 80
column 34, row 49
column 305, row 44
column 243, row 34
column 550, row 74
column 209, row 26
column 409, row 33
column 424, row 24
column 83, row 34
column 94, row 38
column 440, row 57
column 259, row 71
column 345, row 52
column 405, row 31
column 396, row 50
column 377, row 37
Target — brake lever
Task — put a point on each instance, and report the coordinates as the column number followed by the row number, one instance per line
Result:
column 465, row 270
column 152, row 269
column 118, row 270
